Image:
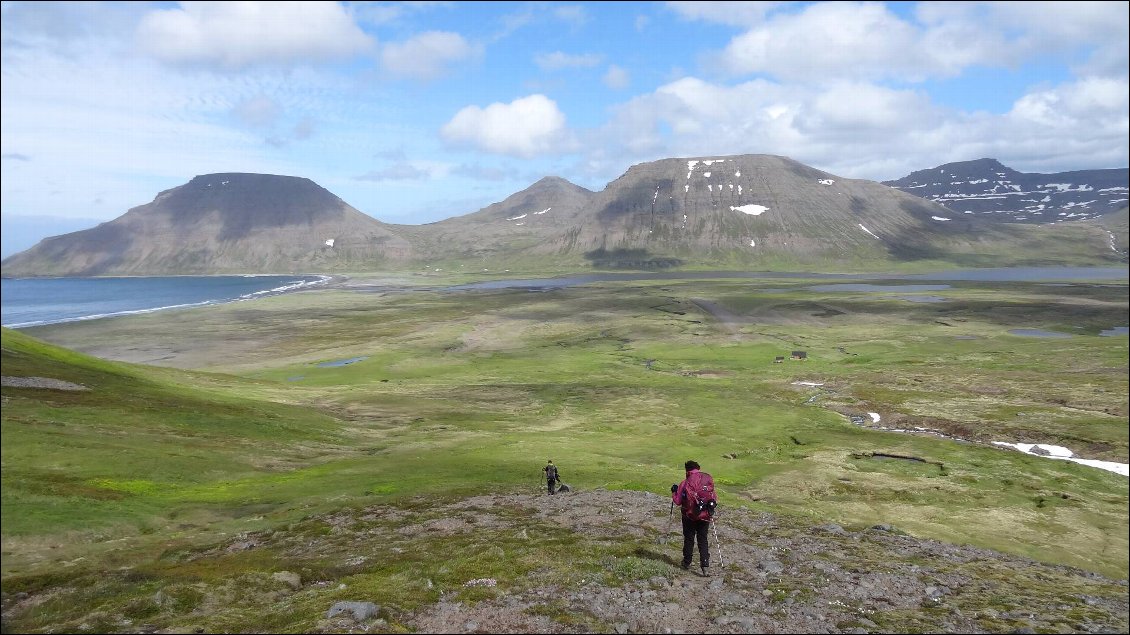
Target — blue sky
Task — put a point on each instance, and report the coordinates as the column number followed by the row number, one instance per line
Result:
column 417, row 111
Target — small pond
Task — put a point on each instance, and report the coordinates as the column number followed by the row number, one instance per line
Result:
column 920, row 298
column 1037, row 333
column 342, row 362
column 901, row 288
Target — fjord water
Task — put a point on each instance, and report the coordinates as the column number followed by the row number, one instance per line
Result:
column 36, row 301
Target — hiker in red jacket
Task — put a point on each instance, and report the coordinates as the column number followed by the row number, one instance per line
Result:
column 695, row 495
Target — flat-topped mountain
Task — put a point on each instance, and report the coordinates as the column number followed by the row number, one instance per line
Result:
column 988, row 189
column 221, row 223
column 758, row 211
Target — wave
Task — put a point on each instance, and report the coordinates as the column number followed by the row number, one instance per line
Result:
column 292, row 286
column 99, row 316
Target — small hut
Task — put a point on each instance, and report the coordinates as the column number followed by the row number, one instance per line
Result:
column 779, row 359
column 801, row 355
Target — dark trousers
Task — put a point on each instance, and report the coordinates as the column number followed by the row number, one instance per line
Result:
column 549, row 485
column 696, row 529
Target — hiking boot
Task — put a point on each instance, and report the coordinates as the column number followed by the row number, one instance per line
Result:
column 685, row 566
column 706, row 572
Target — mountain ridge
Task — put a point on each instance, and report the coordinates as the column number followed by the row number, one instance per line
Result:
column 764, row 211
column 988, row 189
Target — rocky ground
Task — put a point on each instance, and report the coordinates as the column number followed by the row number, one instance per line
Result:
column 770, row 576
column 40, row 382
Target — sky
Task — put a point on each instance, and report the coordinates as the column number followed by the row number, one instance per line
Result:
column 414, row 112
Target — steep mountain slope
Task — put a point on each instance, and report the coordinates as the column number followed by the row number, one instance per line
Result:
column 221, row 223
column 986, row 188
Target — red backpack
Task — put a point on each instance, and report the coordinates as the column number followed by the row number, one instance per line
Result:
column 699, row 499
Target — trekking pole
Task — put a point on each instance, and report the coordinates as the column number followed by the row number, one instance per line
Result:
column 666, row 535
column 717, row 542
column 671, row 513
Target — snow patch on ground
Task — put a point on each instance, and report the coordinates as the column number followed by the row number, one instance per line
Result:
column 1062, row 453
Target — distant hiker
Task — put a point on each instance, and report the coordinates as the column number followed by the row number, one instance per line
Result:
column 695, row 495
column 551, row 477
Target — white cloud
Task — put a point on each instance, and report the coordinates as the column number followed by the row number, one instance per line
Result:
column 1085, row 122
column 525, row 127
column 865, row 40
column 1096, row 102
column 853, row 109
column 558, row 60
column 573, row 14
column 732, row 13
column 862, row 130
column 426, row 56
column 829, row 41
column 153, row 131
column 1054, row 24
column 616, row 78
column 235, row 35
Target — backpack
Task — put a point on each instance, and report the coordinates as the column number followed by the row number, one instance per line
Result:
column 551, row 473
column 699, row 499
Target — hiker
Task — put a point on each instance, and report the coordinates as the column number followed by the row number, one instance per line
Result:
column 551, row 476
column 695, row 496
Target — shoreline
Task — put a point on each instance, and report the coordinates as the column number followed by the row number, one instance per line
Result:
column 327, row 280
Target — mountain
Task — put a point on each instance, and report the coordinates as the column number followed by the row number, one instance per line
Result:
column 525, row 221
column 748, row 210
column 221, row 223
column 18, row 232
column 1117, row 226
column 754, row 209
column 762, row 211
column 988, row 189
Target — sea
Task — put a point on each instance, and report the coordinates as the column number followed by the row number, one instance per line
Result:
column 28, row 302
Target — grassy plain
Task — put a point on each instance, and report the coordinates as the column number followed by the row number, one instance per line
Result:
column 459, row 393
